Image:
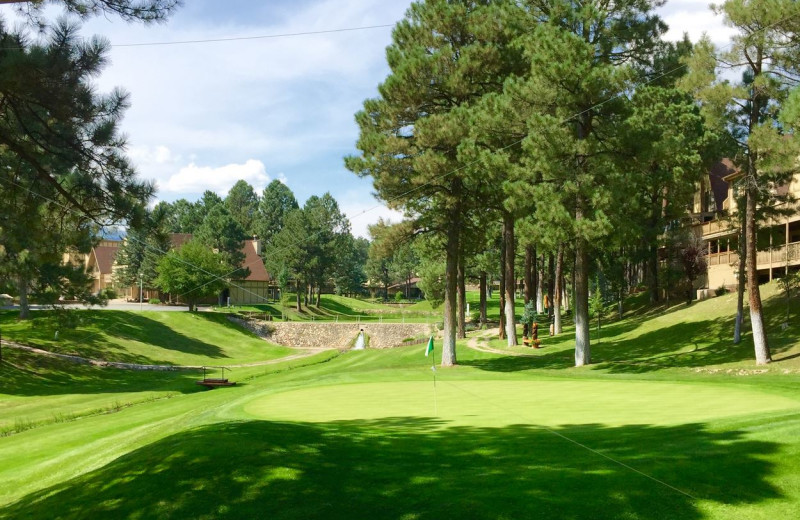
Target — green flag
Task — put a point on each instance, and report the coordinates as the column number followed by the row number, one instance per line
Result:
column 429, row 348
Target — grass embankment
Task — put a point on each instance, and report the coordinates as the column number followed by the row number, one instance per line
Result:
column 642, row 434
column 151, row 337
column 341, row 308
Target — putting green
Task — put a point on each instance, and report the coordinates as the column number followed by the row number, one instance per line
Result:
column 500, row 403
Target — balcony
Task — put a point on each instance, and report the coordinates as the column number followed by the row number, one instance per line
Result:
column 777, row 257
column 774, row 258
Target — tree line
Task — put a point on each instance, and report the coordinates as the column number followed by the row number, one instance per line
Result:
column 573, row 130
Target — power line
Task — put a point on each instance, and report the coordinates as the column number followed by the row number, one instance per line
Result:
column 259, row 37
column 238, row 38
column 408, row 192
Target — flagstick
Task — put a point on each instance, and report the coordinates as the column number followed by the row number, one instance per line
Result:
column 433, row 369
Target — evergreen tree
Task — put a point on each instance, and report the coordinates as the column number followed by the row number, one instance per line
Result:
column 219, row 231
column 444, row 56
column 242, row 204
column 275, row 204
column 765, row 46
column 578, row 52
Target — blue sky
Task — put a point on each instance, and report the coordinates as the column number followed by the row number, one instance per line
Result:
column 204, row 115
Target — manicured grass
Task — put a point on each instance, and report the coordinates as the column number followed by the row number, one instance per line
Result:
column 341, row 308
column 150, row 337
column 671, row 422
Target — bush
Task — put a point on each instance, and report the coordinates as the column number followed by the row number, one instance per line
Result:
column 108, row 294
column 475, row 316
column 154, row 301
column 398, row 296
column 719, row 291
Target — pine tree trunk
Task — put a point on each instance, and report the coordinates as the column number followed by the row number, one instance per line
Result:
column 297, row 292
column 451, row 283
column 502, row 327
column 558, row 290
column 551, row 267
column 740, row 287
column 652, row 274
column 483, row 298
column 530, row 255
column 462, row 300
column 540, row 284
column 756, row 313
column 510, row 279
column 319, row 295
column 24, row 307
column 582, row 347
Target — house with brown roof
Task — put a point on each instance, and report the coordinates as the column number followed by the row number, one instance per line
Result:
column 256, row 288
column 99, row 263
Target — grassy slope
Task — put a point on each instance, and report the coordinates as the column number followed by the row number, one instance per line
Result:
column 172, row 338
column 356, row 436
column 333, row 307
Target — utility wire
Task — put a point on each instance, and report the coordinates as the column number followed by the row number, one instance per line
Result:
column 237, row 38
column 246, row 38
column 408, row 192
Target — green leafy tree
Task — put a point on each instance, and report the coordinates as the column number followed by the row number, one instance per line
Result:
column 193, row 272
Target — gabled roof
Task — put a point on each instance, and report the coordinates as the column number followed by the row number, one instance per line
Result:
column 104, row 256
column 252, row 261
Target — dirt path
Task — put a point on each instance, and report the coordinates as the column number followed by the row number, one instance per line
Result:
column 480, row 344
column 138, row 366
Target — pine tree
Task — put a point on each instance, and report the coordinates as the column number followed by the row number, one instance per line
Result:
column 765, row 46
column 578, row 53
column 444, row 56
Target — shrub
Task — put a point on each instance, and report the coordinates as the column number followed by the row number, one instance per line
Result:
column 398, row 296
column 154, row 301
column 719, row 291
column 108, row 294
column 475, row 316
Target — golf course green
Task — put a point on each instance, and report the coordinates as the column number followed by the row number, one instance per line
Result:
column 673, row 428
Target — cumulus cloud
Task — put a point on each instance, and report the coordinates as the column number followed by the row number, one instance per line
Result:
column 694, row 18
column 362, row 210
column 196, row 179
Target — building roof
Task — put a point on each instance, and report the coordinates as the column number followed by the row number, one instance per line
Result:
column 411, row 283
column 252, row 261
column 105, row 256
column 178, row 239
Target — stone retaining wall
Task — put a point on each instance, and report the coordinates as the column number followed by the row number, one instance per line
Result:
column 334, row 335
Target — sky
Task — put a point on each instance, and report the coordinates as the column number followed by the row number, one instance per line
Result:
column 204, row 115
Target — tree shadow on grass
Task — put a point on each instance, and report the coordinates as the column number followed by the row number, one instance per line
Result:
column 26, row 374
column 415, row 468
column 107, row 327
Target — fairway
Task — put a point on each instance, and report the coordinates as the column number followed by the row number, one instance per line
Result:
column 661, row 427
column 502, row 403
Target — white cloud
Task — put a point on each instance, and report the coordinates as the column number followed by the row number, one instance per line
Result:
column 362, row 210
column 694, row 18
column 196, row 179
